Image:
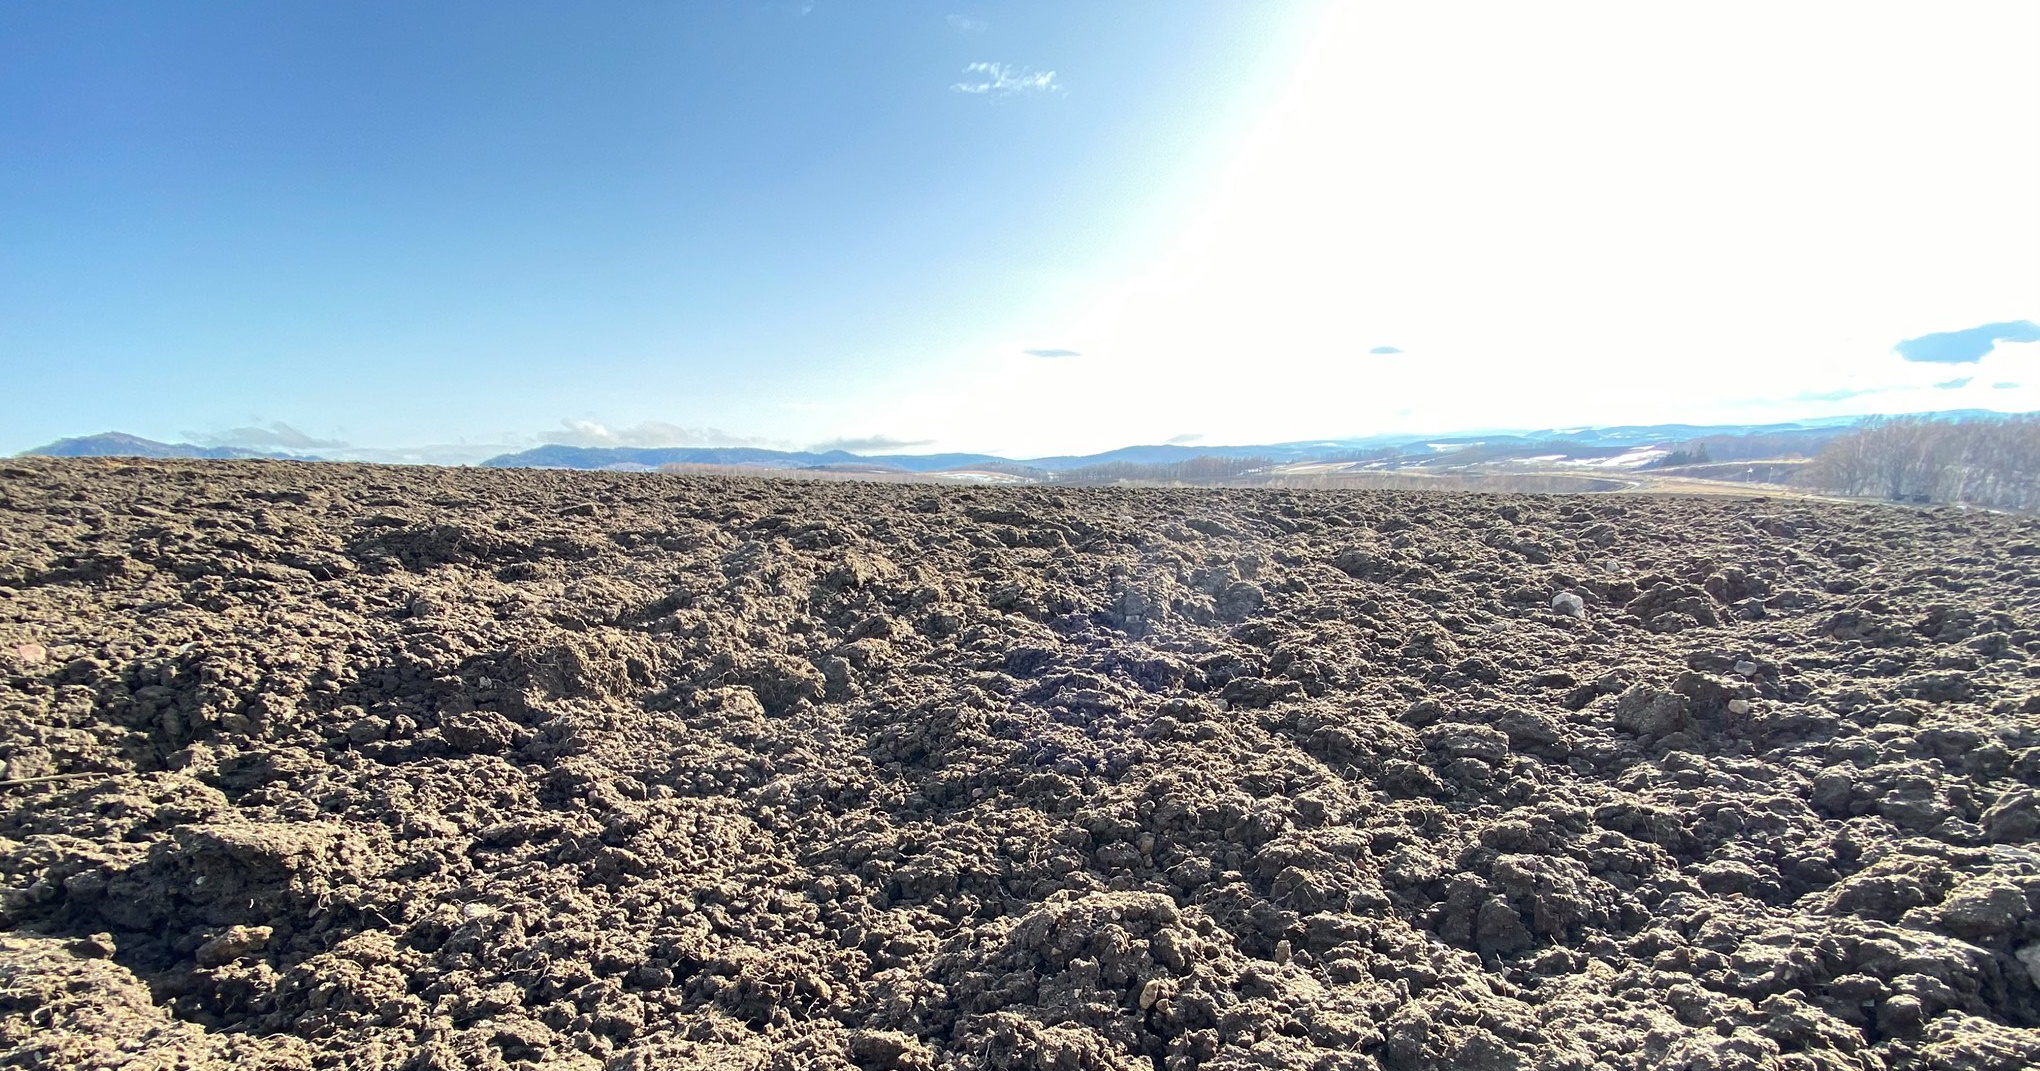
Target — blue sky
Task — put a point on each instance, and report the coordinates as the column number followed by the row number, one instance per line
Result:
column 1019, row 227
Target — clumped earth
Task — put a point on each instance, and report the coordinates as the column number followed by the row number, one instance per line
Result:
column 343, row 766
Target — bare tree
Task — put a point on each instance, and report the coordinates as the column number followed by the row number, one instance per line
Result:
column 1195, row 471
column 1991, row 461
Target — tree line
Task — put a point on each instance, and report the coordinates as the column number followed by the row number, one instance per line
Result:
column 1992, row 462
column 1196, row 470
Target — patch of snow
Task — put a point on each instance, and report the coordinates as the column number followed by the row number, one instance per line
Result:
column 1633, row 459
column 1006, row 478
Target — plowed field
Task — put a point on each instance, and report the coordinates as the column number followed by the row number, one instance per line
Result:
column 346, row 766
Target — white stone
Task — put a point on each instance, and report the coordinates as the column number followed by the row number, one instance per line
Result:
column 2030, row 956
column 1569, row 604
column 1738, row 706
column 1153, row 991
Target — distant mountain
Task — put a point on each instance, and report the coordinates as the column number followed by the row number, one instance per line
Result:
column 1655, row 434
column 1722, row 442
column 118, row 444
column 1586, row 441
column 1175, row 455
column 603, row 457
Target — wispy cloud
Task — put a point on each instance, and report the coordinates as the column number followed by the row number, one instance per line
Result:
column 275, row 435
column 1954, row 384
column 1186, row 439
column 869, row 444
column 1966, row 346
column 966, row 24
column 1384, row 350
column 1004, row 80
column 1842, row 394
column 1051, row 353
column 651, row 433
column 429, row 454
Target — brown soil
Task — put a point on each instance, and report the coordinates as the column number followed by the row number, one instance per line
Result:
column 464, row 768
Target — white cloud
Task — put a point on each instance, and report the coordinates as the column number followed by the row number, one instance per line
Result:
column 1003, row 80
column 275, row 435
column 966, row 24
column 869, row 444
column 649, row 434
column 428, row 454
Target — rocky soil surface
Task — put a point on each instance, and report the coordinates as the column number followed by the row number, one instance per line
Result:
column 344, row 766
